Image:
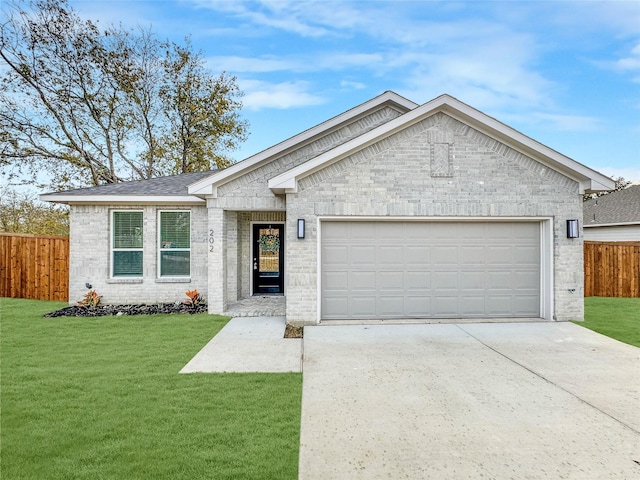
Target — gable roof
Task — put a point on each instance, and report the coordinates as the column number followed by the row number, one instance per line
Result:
column 208, row 186
column 588, row 179
column 170, row 189
column 192, row 188
column 616, row 208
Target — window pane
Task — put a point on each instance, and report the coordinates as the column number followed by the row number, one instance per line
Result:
column 127, row 229
column 175, row 264
column 127, row 264
column 175, row 230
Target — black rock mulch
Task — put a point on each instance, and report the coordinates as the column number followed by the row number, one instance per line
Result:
column 104, row 310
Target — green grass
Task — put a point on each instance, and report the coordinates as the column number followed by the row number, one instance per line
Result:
column 617, row 318
column 101, row 398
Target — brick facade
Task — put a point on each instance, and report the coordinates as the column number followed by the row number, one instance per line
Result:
column 434, row 168
column 90, row 256
column 393, row 179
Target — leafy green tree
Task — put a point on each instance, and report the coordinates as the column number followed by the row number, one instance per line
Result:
column 92, row 106
column 23, row 213
column 620, row 184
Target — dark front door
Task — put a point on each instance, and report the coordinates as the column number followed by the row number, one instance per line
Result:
column 268, row 258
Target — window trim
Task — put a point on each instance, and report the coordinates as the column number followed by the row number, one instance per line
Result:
column 160, row 249
column 113, row 249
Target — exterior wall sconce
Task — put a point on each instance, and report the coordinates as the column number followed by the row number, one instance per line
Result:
column 301, row 228
column 572, row 229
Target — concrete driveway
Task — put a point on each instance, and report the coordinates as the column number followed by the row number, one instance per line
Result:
column 491, row 401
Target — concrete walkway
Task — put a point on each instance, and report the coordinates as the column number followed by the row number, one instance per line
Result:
column 496, row 401
column 249, row 344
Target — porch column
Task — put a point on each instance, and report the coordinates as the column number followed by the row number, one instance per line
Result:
column 231, row 257
column 217, row 294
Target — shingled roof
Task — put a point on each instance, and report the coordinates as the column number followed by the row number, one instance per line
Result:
column 176, row 186
column 615, row 208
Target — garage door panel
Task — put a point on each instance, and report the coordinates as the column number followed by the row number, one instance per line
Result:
column 335, row 255
column 419, row 254
column 390, row 280
column 430, row 269
column 362, row 280
column 525, row 303
column 335, row 305
column 391, row 306
column 362, row 255
column 417, row 280
column 472, row 255
column 471, row 305
column 390, row 255
column 499, row 254
column 522, row 280
column 444, row 255
column 335, row 281
column 529, row 254
column 469, row 280
column 417, row 306
column 499, row 305
column 362, row 306
column 361, row 230
column 445, row 306
column 442, row 233
column 444, row 280
column 499, row 280
column 386, row 231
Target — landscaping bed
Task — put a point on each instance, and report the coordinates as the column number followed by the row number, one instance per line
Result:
column 105, row 310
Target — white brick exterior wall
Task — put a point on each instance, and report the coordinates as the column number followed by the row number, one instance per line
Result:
column 436, row 168
column 392, row 179
column 90, row 257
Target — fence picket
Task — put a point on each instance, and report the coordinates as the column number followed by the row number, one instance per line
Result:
column 33, row 266
column 611, row 269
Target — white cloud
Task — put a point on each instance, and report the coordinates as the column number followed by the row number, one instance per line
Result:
column 285, row 95
column 326, row 61
column 574, row 123
column 264, row 64
column 630, row 62
column 350, row 85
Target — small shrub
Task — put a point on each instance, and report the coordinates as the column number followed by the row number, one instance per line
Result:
column 90, row 300
column 195, row 298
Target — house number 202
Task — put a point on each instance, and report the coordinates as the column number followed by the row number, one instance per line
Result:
column 211, row 240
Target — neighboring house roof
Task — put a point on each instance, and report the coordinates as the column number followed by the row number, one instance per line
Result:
column 616, row 208
column 589, row 179
column 170, row 189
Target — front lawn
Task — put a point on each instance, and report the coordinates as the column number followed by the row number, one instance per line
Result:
column 101, row 398
column 617, row 318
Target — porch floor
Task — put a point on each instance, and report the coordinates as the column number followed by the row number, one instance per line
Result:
column 258, row 306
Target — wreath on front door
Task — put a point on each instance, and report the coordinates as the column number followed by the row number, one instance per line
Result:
column 269, row 242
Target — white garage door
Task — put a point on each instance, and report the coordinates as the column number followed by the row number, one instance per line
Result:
column 375, row 270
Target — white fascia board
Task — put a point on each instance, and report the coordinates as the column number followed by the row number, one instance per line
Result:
column 286, row 182
column 207, row 186
column 123, row 199
column 587, row 178
column 621, row 224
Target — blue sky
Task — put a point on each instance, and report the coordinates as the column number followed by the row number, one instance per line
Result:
column 564, row 73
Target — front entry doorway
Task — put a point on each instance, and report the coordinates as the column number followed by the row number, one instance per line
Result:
column 268, row 259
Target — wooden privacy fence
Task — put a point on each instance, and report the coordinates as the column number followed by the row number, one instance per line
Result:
column 33, row 266
column 612, row 269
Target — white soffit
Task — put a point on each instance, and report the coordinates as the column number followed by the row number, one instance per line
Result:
column 207, row 186
column 587, row 178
